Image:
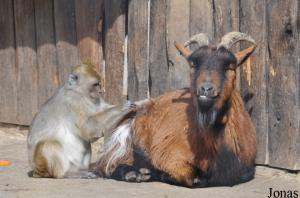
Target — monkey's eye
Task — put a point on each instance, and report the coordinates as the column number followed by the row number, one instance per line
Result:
column 96, row 84
column 192, row 64
column 74, row 76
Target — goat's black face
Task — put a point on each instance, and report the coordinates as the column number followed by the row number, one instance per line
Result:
column 212, row 81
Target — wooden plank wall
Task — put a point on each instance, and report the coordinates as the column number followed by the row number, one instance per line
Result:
column 40, row 40
column 255, row 73
column 272, row 77
column 114, row 29
column 283, row 83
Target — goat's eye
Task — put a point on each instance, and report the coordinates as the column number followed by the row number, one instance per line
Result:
column 192, row 64
column 230, row 67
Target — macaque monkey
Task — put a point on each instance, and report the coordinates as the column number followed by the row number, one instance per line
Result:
column 60, row 135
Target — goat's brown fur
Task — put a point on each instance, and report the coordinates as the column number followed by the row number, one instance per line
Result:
column 175, row 145
column 168, row 134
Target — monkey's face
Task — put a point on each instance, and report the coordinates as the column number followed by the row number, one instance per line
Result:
column 95, row 90
column 86, row 82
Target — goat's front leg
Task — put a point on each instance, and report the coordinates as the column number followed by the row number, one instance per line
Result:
column 132, row 174
column 178, row 172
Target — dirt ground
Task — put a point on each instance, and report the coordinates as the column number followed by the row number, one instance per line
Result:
column 14, row 181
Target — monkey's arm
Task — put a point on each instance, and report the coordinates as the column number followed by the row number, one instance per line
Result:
column 100, row 123
column 118, row 113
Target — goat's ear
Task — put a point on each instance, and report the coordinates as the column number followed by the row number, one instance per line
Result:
column 185, row 52
column 243, row 55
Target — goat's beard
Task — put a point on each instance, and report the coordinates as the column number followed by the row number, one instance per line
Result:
column 207, row 119
column 206, row 116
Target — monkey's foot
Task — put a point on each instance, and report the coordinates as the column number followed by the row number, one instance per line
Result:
column 92, row 175
column 83, row 174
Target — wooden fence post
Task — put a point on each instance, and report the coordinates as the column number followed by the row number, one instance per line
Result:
column 115, row 24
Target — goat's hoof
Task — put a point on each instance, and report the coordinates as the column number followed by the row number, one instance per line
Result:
column 144, row 175
column 197, row 182
column 131, row 176
column 144, row 171
column 143, row 178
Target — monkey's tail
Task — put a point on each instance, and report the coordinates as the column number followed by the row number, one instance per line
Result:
column 117, row 149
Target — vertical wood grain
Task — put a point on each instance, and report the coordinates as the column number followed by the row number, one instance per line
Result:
column 26, row 60
column 283, row 48
column 89, row 16
column 8, row 73
column 47, row 76
column 138, row 68
column 158, row 63
column 178, row 19
column 202, row 18
column 65, row 36
column 88, row 28
column 115, row 18
column 255, row 71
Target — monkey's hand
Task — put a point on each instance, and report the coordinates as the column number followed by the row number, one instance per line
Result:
column 102, row 123
column 128, row 110
column 129, row 105
column 139, row 106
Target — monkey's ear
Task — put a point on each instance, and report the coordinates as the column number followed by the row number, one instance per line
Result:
column 73, row 79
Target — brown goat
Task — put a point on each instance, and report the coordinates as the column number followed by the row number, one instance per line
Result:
column 201, row 136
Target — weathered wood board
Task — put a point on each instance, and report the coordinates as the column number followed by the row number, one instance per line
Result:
column 8, row 73
column 254, row 72
column 283, row 85
column 202, row 18
column 47, row 74
column 89, row 16
column 26, row 60
column 138, row 48
column 178, row 20
column 66, row 39
column 158, row 62
column 114, row 44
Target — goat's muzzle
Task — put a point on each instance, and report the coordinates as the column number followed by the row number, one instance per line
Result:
column 206, row 96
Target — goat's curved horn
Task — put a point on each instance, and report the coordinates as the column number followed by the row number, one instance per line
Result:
column 201, row 39
column 229, row 39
